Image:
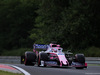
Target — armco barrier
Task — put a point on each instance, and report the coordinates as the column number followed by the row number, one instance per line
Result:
column 10, row 59
column 93, row 60
column 20, row 59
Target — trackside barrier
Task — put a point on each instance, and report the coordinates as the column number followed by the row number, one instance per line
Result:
column 20, row 59
column 10, row 59
column 93, row 60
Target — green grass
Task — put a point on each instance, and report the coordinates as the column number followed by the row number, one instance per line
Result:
column 93, row 64
column 9, row 73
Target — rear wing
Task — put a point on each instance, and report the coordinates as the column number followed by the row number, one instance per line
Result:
column 40, row 46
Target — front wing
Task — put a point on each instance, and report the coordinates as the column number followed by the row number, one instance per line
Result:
column 55, row 63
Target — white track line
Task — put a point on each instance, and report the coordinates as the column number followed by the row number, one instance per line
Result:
column 92, row 73
column 22, row 70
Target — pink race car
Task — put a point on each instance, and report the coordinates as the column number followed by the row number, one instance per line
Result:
column 52, row 55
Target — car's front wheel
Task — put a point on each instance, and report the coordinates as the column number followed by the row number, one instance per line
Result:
column 42, row 58
column 81, row 59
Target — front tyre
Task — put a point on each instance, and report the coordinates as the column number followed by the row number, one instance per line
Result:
column 81, row 59
column 42, row 58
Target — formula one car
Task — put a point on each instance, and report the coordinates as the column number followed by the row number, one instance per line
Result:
column 52, row 55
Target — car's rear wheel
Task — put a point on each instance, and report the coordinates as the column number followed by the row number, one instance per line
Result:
column 30, row 58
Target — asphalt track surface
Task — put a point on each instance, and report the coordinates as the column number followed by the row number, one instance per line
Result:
column 35, row 70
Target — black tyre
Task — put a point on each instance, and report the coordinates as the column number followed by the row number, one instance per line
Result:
column 80, row 58
column 42, row 57
column 30, row 58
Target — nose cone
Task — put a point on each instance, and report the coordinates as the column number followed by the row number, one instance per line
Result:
column 63, row 59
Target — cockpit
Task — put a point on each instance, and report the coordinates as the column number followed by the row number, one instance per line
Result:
column 55, row 48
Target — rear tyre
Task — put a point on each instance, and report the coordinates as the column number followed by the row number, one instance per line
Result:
column 30, row 58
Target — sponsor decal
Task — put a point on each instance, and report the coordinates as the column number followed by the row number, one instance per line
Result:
column 40, row 46
column 60, row 53
column 51, row 63
column 77, row 64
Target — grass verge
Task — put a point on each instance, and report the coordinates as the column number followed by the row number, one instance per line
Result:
column 9, row 73
column 93, row 64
